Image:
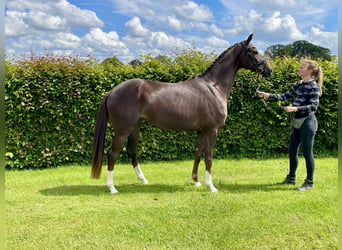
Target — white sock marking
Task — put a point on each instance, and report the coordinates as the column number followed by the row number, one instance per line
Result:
column 110, row 182
column 140, row 175
column 198, row 184
column 209, row 182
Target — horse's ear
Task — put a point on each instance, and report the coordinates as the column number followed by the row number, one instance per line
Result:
column 249, row 39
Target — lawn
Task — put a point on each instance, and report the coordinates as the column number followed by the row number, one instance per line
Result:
column 63, row 208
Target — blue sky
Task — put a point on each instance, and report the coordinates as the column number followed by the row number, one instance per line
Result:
column 130, row 28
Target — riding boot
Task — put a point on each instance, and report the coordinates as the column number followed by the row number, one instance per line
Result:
column 307, row 185
column 288, row 180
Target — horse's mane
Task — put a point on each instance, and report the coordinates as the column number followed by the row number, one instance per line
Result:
column 217, row 60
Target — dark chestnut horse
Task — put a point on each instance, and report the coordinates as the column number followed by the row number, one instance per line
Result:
column 198, row 104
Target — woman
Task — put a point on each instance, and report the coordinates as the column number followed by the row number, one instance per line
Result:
column 305, row 95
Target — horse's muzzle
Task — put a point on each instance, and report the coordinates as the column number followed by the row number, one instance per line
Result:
column 262, row 67
column 267, row 71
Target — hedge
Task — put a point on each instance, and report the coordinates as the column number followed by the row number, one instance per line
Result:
column 52, row 102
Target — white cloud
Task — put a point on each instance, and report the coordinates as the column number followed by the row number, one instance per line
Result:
column 42, row 21
column 156, row 43
column 134, row 28
column 303, row 7
column 321, row 38
column 163, row 41
column 58, row 40
column 99, row 41
column 216, row 30
column 66, row 40
column 306, row 13
column 273, row 28
column 15, row 25
column 216, row 42
column 174, row 23
column 139, row 7
column 177, row 15
column 76, row 17
column 193, row 11
column 141, row 40
column 48, row 25
column 282, row 25
column 36, row 15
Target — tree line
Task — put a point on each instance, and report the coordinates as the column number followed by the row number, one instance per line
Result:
column 299, row 49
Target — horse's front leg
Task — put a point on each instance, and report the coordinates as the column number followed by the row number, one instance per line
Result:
column 209, row 151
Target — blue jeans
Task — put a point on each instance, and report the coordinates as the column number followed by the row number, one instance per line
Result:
column 304, row 136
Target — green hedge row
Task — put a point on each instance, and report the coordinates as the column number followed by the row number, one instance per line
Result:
column 52, row 102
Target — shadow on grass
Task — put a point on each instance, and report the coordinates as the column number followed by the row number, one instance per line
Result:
column 74, row 190
column 246, row 188
column 99, row 190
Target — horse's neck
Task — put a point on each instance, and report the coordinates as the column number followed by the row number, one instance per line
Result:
column 223, row 74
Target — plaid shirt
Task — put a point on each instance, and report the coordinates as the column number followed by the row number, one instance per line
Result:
column 305, row 96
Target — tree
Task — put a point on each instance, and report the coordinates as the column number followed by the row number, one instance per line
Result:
column 135, row 62
column 301, row 49
column 113, row 61
column 163, row 58
column 278, row 50
column 304, row 49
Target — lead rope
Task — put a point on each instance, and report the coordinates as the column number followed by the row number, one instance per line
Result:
column 268, row 108
column 271, row 110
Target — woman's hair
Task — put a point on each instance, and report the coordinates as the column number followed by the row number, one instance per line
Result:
column 317, row 73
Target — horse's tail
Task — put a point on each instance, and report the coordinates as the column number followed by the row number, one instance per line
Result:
column 99, row 139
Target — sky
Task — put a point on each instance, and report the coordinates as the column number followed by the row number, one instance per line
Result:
column 128, row 29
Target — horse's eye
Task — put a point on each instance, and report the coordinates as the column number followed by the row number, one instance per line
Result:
column 254, row 50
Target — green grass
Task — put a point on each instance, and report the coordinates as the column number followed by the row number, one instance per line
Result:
column 63, row 208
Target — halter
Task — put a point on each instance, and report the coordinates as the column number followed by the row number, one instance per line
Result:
column 259, row 66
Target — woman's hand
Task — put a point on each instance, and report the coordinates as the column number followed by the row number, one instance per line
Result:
column 263, row 95
column 290, row 109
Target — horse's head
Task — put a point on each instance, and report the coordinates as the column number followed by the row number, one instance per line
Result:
column 253, row 60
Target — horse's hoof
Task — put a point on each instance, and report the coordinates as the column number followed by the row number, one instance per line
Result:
column 144, row 181
column 198, row 184
column 113, row 190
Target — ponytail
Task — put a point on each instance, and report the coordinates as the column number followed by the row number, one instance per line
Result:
column 317, row 73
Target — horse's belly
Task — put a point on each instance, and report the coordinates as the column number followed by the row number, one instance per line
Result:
column 170, row 119
column 178, row 119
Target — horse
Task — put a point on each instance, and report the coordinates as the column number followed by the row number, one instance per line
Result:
column 197, row 104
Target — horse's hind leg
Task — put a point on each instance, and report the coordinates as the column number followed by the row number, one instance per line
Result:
column 113, row 154
column 132, row 144
column 197, row 158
